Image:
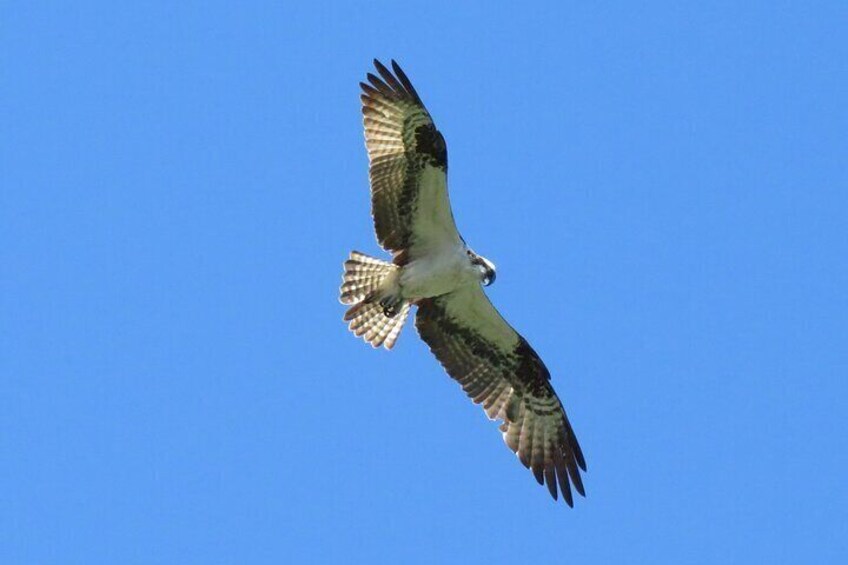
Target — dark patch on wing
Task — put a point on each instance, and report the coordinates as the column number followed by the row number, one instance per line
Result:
column 401, row 140
column 433, row 311
column 430, row 142
column 531, row 370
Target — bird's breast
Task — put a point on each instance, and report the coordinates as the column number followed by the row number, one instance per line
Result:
column 437, row 274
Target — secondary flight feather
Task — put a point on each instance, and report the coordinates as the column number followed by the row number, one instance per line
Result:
column 433, row 269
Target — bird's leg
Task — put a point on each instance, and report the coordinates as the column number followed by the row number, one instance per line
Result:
column 391, row 305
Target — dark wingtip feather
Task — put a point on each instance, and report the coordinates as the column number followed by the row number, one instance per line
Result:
column 381, row 68
column 578, row 453
column 577, row 480
column 379, row 85
column 407, row 84
column 385, row 73
column 538, row 472
column 550, row 479
column 566, row 493
column 367, row 89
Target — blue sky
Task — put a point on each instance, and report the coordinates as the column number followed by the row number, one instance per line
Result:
column 662, row 187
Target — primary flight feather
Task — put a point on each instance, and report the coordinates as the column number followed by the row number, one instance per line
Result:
column 433, row 269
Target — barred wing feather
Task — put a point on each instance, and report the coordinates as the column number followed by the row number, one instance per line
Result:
column 498, row 369
column 408, row 167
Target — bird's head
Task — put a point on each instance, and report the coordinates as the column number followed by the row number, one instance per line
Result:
column 485, row 267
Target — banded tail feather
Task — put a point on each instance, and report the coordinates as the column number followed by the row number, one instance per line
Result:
column 375, row 315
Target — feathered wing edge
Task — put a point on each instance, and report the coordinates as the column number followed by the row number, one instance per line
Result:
column 511, row 385
column 393, row 87
column 407, row 154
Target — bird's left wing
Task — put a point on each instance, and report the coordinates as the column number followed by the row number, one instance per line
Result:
column 497, row 368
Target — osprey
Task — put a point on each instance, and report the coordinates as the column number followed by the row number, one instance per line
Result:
column 433, row 269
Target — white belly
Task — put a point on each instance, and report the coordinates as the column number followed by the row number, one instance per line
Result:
column 437, row 274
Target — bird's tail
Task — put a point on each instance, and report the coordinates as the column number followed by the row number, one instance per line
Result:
column 377, row 314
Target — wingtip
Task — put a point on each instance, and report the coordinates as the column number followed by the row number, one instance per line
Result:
column 578, row 486
column 575, row 448
column 581, row 462
column 381, row 68
column 538, row 473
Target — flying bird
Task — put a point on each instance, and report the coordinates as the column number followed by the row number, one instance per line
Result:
column 434, row 269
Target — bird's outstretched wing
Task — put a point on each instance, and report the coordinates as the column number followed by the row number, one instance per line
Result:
column 408, row 167
column 498, row 369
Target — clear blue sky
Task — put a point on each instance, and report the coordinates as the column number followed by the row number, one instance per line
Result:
column 662, row 187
